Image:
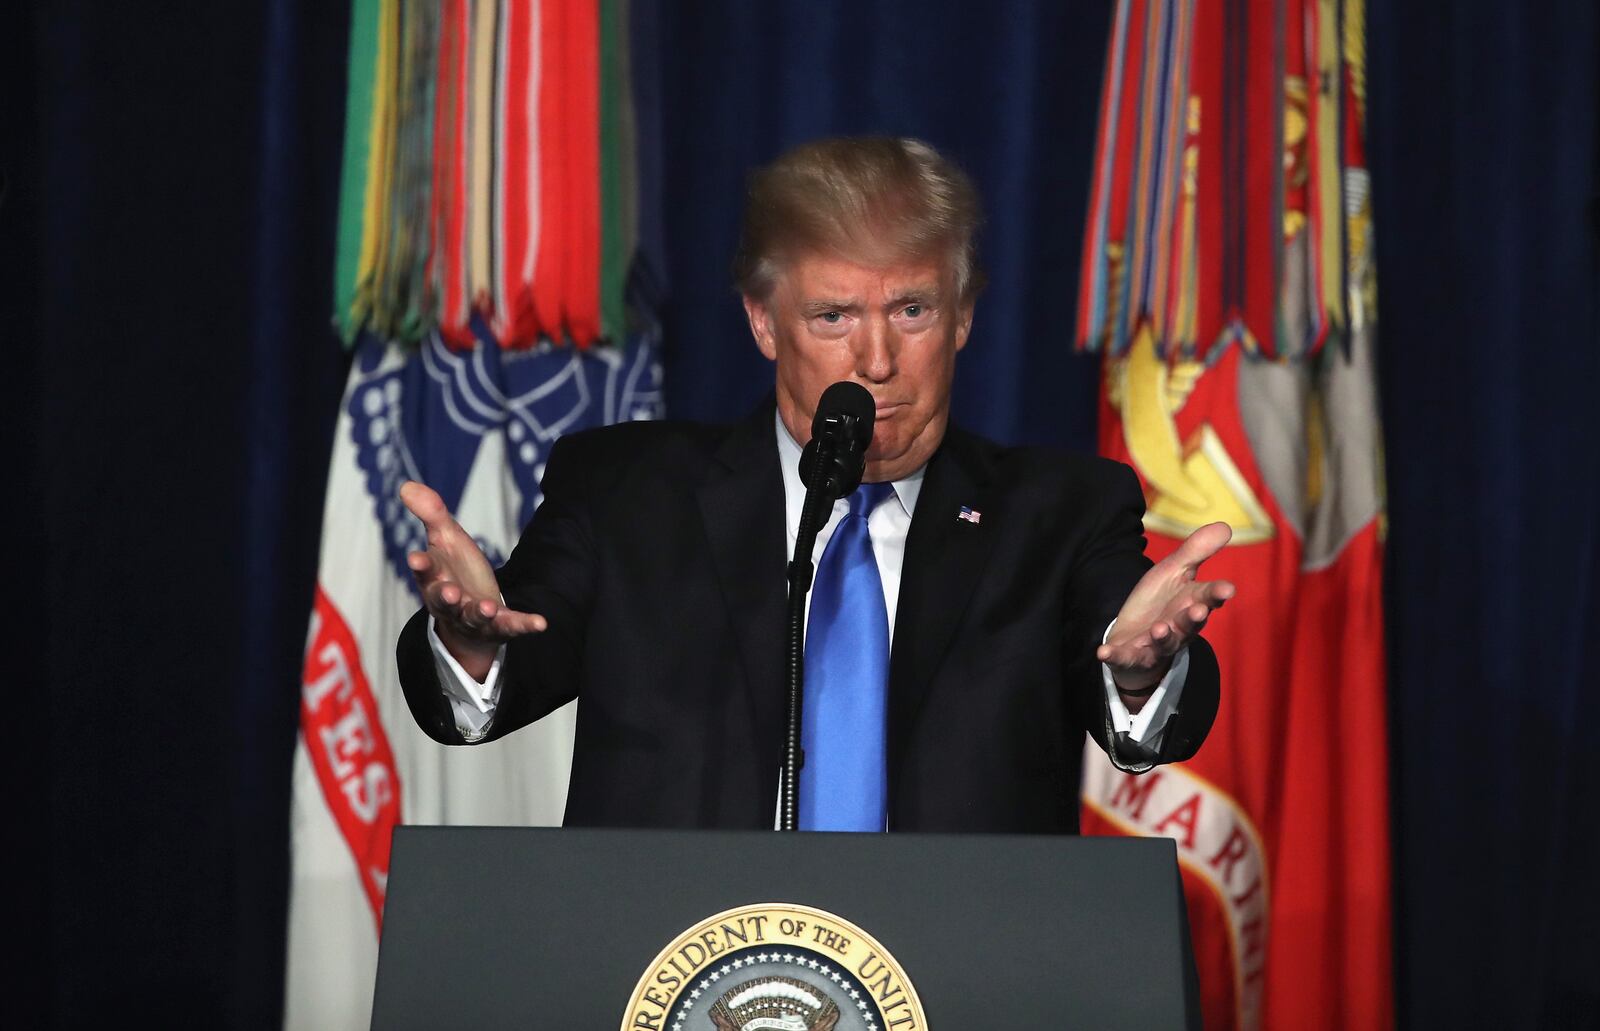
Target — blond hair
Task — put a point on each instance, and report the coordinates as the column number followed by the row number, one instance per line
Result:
column 873, row 199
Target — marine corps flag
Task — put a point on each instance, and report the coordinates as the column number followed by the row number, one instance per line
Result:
column 1228, row 282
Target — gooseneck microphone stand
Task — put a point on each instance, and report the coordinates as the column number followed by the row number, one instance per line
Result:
column 801, row 571
column 830, row 467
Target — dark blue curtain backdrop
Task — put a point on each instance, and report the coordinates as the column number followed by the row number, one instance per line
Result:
column 1484, row 158
column 173, row 194
column 166, row 233
column 1010, row 91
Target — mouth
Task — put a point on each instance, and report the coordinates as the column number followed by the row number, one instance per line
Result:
column 887, row 409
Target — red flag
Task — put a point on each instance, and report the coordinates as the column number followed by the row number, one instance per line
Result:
column 1281, row 820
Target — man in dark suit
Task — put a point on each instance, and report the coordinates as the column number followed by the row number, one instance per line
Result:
column 1010, row 608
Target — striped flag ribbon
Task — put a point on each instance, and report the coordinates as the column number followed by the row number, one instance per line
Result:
column 490, row 170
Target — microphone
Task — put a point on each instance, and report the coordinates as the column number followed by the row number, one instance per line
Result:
column 830, row 467
column 841, row 431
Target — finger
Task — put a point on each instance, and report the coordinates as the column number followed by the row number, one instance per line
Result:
column 474, row 621
column 478, row 613
column 1203, row 543
column 1173, row 641
column 1163, row 640
column 1189, row 620
column 449, row 602
column 1132, row 657
column 425, row 503
column 1121, row 652
column 449, row 616
column 511, row 623
column 423, row 568
column 433, row 597
column 1116, row 656
column 1219, row 591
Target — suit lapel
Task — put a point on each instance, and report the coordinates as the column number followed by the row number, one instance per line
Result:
column 945, row 556
column 741, row 503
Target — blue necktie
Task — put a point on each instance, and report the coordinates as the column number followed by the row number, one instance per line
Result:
column 844, row 783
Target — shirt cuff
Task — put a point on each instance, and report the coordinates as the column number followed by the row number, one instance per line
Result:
column 472, row 702
column 1147, row 727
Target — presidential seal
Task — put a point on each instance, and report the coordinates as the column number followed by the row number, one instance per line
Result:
column 774, row 967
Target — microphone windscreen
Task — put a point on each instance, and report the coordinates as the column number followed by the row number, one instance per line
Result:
column 847, row 398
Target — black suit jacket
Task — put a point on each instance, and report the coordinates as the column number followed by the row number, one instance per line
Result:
column 658, row 557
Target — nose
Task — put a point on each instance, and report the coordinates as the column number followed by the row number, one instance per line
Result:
column 875, row 350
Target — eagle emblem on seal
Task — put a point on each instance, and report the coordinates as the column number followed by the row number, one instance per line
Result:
column 774, row 1004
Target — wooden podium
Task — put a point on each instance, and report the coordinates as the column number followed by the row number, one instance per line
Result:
column 489, row 927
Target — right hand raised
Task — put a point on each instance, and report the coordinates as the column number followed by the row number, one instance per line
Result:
column 458, row 586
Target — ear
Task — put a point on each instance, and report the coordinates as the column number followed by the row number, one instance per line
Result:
column 964, row 324
column 760, row 318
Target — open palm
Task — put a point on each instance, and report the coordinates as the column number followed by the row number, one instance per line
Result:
column 1169, row 606
column 458, row 585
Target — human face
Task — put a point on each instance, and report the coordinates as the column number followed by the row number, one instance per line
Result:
column 893, row 329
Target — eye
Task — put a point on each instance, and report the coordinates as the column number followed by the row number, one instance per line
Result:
column 914, row 311
column 832, row 318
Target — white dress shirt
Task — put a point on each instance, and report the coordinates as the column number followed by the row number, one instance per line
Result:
column 474, row 703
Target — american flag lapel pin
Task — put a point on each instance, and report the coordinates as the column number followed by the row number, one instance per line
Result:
column 969, row 514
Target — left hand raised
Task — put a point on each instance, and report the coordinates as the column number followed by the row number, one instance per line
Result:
column 1168, row 606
